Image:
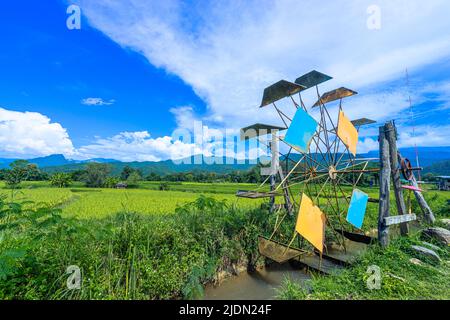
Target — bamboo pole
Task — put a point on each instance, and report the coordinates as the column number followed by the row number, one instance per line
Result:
column 391, row 137
column 426, row 210
column 385, row 177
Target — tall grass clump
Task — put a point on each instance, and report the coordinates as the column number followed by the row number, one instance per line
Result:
column 124, row 256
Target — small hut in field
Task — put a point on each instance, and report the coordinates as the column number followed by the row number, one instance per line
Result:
column 121, row 185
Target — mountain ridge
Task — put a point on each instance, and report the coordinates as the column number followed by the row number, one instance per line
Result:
column 428, row 156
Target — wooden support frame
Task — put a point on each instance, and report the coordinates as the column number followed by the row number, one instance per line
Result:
column 389, row 166
column 391, row 138
column 426, row 210
column 403, row 219
column 385, row 179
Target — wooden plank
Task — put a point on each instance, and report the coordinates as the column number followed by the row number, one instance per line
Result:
column 374, row 200
column 287, row 199
column 334, row 95
column 255, row 195
column 371, row 200
column 258, row 130
column 280, row 90
column 427, row 212
column 385, row 177
column 312, row 79
column 356, row 237
column 314, row 262
column 362, row 122
column 389, row 221
column 391, row 137
column 276, row 251
column 344, row 256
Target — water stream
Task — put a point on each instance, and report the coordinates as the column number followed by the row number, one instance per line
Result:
column 260, row 285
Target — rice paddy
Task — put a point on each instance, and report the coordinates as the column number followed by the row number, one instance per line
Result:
column 82, row 202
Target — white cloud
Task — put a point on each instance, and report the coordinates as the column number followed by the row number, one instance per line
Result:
column 97, row 102
column 229, row 51
column 184, row 117
column 31, row 134
column 137, row 146
column 425, row 135
column 366, row 145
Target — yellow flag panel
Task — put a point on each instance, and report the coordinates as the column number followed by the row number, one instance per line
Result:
column 311, row 223
column 347, row 132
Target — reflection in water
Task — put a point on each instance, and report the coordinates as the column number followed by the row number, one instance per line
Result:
column 259, row 285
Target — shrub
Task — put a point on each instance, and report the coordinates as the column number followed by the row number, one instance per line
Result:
column 96, row 174
column 111, row 182
column 164, row 186
column 61, row 180
column 127, row 256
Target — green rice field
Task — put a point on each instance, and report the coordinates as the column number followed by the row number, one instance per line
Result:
column 83, row 202
column 146, row 243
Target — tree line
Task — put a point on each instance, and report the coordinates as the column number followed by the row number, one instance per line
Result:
column 97, row 175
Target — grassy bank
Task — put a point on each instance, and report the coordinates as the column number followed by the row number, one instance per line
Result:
column 124, row 256
column 400, row 279
column 82, row 202
column 150, row 244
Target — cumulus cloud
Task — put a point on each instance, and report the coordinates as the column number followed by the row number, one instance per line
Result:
column 137, row 146
column 31, row 134
column 184, row 117
column 425, row 135
column 97, row 102
column 228, row 51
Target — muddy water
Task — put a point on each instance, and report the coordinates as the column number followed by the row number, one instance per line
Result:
column 259, row 285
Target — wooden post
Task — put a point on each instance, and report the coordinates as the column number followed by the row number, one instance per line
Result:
column 274, row 165
column 426, row 210
column 287, row 198
column 272, row 188
column 385, row 177
column 391, row 137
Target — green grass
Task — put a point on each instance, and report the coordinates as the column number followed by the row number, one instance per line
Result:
column 149, row 244
column 126, row 255
column 81, row 202
column 400, row 278
column 103, row 202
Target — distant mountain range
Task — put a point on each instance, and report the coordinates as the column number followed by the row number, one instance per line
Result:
column 53, row 160
column 430, row 158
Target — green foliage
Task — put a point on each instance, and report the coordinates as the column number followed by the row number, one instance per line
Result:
column 127, row 256
column 61, row 180
column 133, row 179
column 21, row 170
column 18, row 173
column 441, row 168
column 111, row 182
column 400, row 279
column 153, row 177
column 127, row 170
column 78, row 175
column 96, row 174
column 21, row 227
column 164, row 186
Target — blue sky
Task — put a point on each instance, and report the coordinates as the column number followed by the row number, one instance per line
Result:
column 137, row 70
